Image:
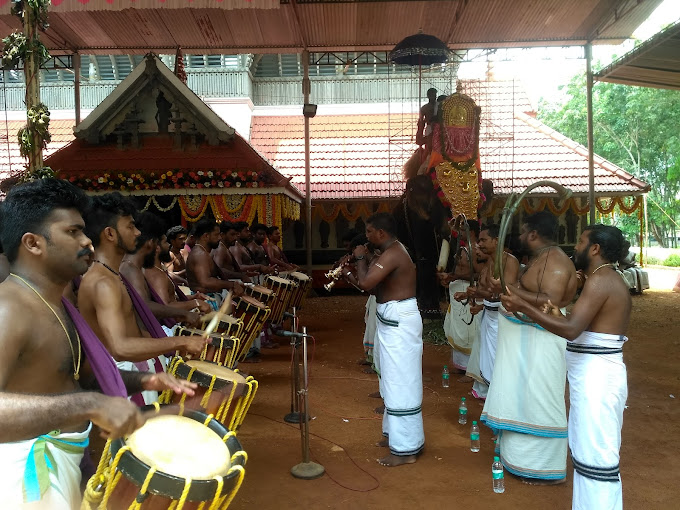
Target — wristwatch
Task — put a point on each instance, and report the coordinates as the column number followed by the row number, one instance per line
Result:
column 360, row 257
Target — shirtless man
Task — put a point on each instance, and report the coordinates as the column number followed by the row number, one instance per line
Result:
column 275, row 254
column 460, row 325
column 103, row 299
column 43, row 373
column 160, row 280
column 398, row 335
column 223, row 257
column 488, row 244
column 595, row 331
column 256, row 246
column 241, row 253
column 530, row 362
column 177, row 237
column 427, row 114
column 151, row 230
column 202, row 272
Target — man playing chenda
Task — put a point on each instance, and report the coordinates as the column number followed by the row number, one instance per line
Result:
column 223, row 257
column 595, row 330
column 202, row 272
column 109, row 305
column 399, row 336
column 526, row 396
column 52, row 367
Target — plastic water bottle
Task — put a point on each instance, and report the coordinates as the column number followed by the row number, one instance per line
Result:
column 497, row 472
column 445, row 377
column 474, row 437
column 462, row 412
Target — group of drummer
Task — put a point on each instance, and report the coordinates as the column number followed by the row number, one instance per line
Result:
column 89, row 281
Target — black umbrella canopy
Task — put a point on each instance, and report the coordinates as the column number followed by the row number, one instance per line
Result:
column 420, row 49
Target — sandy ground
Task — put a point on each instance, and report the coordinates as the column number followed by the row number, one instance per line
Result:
column 448, row 474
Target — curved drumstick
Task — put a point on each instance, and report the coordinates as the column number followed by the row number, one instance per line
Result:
column 215, row 321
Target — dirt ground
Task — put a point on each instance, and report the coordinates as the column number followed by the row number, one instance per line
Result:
column 447, row 474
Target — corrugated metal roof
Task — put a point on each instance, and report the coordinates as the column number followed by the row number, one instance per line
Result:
column 214, row 28
column 654, row 63
column 361, row 156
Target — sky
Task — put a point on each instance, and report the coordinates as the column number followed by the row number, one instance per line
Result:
column 544, row 70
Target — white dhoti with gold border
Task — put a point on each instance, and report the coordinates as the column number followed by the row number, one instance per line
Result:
column 526, row 403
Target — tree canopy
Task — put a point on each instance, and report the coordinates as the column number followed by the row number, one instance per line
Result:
column 636, row 128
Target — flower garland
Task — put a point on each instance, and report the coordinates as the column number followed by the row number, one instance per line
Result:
column 362, row 210
column 171, row 179
column 603, row 206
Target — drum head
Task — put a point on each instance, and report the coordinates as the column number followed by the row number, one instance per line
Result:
column 181, row 447
column 262, row 290
column 300, row 276
column 252, row 301
column 217, row 370
column 279, row 280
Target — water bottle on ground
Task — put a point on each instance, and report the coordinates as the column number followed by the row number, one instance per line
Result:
column 474, row 437
column 462, row 412
column 497, row 472
column 445, row 377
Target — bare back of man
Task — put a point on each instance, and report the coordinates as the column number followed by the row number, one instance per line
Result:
column 549, row 275
column 399, row 280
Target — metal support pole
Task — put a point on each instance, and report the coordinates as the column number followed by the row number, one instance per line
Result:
column 76, row 88
column 294, row 416
column 307, row 470
column 589, row 106
column 306, row 89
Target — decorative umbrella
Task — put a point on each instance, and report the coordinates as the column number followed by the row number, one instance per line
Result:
column 419, row 50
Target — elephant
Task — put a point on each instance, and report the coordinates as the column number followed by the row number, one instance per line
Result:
column 423, row 223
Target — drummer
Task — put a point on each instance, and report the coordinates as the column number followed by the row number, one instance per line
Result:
column 44, row 410
column 202, row 272
column 256, row 245
column 151, row 230
column 177, row 237
column 106, row 302
column 243, row 256
column 276, row 256
column 223, row 257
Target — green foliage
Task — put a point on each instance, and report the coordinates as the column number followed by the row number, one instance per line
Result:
column 635, row 128
column 673, row 260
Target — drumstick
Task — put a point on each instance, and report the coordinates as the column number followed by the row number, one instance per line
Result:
column 215, row 321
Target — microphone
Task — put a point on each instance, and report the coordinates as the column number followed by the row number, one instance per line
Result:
column 288, row 315
column 294, row 334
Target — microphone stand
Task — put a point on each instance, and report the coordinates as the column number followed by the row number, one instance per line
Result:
column 294, row 415
column 306, row 470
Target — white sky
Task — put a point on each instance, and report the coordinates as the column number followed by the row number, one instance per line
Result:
column 542, row 77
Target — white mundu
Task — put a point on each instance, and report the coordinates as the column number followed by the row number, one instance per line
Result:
column 597, row 394
column 526, row 399
column 181, row 447
column 399, row 335
column 43, row 473
column 460, row 326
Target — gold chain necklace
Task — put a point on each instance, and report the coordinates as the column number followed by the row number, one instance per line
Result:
column 601, row 266
column 199, row 244
column 76, row 365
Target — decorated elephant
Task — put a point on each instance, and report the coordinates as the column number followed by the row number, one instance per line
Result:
column 444, row 189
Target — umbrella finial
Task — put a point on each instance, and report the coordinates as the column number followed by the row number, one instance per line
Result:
column 459, row 87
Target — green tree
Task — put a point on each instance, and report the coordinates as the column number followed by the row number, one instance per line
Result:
column 636, row 128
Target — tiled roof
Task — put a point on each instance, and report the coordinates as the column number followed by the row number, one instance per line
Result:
column 11, row 162
column 361, row 156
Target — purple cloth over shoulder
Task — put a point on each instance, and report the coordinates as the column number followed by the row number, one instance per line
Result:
column 103, row 365
column 148, row 318
column 167, row 322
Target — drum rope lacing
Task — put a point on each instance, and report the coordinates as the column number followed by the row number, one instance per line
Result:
column 94, row 496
